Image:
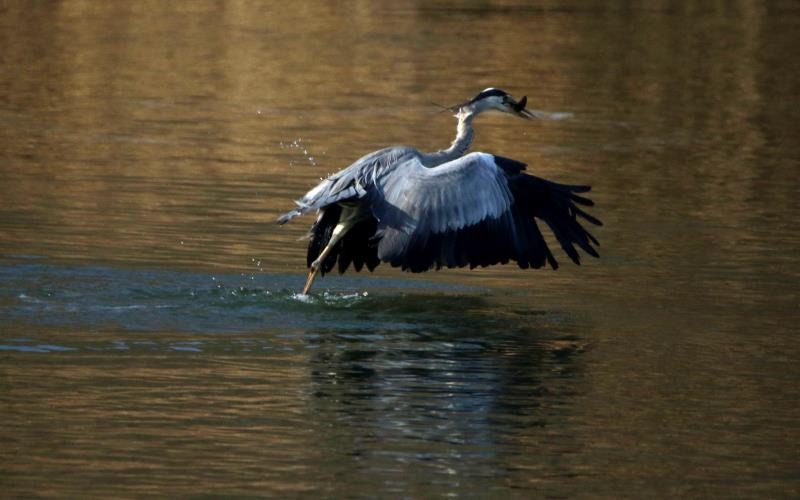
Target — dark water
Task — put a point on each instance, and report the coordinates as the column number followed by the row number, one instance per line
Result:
column 151, row 338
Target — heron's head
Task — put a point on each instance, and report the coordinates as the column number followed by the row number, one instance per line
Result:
column 496, row 99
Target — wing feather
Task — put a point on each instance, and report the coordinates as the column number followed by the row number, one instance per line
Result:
column 350, row 182
column 477, row 210
column 416, row 199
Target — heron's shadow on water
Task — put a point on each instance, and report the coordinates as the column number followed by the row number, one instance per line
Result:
column 445, row 367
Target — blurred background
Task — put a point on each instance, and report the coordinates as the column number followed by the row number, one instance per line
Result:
column 150, row 335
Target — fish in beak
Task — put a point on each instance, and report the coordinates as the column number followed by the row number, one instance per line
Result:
column 518, row 108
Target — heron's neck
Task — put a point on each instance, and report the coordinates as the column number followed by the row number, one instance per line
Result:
column 460, row 145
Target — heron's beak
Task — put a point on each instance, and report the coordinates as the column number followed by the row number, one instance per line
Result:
column 518, row 108
column 457, row 107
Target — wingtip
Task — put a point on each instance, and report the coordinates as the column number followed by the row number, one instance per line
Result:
column 284, row 218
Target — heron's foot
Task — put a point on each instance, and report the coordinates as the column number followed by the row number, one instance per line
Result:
column 312, row 274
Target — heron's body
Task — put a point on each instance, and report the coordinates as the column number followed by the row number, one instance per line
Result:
column 421, row 211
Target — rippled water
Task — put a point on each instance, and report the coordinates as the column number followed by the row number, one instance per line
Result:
column 152, row 341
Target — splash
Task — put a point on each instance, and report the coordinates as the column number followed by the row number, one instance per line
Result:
column 298, row 145
column 330, row 298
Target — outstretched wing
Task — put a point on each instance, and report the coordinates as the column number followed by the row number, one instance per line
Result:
column 472, row 211
column 349, row 182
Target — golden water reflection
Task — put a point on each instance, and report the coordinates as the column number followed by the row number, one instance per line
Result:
column 170, row 135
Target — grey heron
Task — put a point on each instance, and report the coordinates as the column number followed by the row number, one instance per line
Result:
column 419, row 211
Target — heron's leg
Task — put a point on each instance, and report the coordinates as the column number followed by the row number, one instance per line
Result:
column 338, row 232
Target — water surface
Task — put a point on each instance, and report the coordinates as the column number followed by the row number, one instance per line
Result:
column 151, row 335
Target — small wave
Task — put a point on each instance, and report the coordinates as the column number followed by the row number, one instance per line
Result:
column 36, row 348
column 330, row 298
